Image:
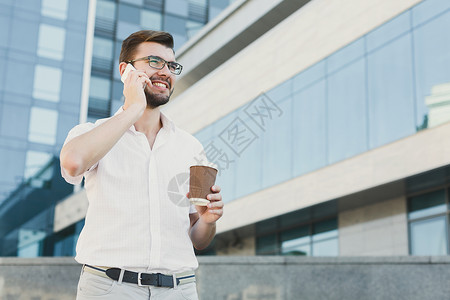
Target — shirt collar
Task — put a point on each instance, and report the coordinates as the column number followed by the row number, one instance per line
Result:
column 167, row 123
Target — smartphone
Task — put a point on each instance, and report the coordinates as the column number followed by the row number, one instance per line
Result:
column 127, row 70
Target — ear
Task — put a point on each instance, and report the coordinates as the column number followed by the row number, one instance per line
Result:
column 122, row 67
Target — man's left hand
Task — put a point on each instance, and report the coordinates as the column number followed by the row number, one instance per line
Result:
column 214, row 210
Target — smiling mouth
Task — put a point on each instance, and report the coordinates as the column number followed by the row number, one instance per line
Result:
column 160, row 84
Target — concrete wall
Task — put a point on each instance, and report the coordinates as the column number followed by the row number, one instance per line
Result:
column 374, row 230
column 245, row 278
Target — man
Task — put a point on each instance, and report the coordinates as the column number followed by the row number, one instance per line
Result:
column 136, row 242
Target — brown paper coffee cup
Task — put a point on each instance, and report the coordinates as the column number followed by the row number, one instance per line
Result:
column 202, row 178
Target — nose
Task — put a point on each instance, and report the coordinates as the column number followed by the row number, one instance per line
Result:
column 165, row 71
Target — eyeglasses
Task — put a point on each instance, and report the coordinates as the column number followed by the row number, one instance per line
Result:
column 159, row 63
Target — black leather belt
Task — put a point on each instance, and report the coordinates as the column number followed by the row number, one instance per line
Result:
column 144, row 279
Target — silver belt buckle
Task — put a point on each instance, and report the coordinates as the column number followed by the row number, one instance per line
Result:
column 139, row 279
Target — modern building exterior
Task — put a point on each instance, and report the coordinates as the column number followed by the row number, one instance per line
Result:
column 60, row 58
column 330, row 128
column 328, row 121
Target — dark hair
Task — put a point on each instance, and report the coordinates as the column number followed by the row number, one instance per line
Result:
column 130, row 44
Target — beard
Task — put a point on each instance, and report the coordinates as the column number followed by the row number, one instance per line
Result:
column 154, row 100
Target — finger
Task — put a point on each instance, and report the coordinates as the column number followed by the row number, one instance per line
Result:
column 144, row 80
column 216, row 204
column 218, row 212
column 214, row 197
column 215, row 189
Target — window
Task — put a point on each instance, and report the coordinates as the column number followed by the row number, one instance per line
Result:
column 43, row 124
column 310, row 239
column 102, row 57
column 99, row 97
column 428, row 216
column 106, row 10
column 47, row 83
column 51, row 42
column 35, row 162
column 150, row 20
column 55, row 9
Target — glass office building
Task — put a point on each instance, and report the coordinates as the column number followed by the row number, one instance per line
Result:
column 115, row 20
column 59, row 59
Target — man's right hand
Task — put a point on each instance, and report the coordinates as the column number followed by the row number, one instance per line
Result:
column 134, row 87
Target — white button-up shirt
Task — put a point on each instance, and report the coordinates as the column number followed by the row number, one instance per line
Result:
column 138, row 215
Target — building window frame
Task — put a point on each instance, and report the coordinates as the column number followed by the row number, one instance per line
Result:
column 428, row 217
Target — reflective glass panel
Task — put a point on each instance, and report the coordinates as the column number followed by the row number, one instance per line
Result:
column 43, row 125
column 432, row 63
column 35, row 161
column 47, row 83
column 103, row 48
column 390, row 92
column 347, row 128
column 176, row 7
column 427, row 205
column 106, row 9
column 277, row 145
column 100, row 88
column 51, row 42
column 328, row 247
column 151, row 20
column 266, row 244
column 296, row 241
column 429, row 237
column 309, row 120
column 325, row 230
column 55, row 9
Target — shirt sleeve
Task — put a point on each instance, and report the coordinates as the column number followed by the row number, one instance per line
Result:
column 73, row 133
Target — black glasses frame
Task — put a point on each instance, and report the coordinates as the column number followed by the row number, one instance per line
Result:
column 177, row 68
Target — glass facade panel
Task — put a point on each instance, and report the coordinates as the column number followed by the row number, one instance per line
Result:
column 345, row 56
column 43, row 126
column 35, row 161
column 426, row 10
column 99, row 96
column 427, row 205
column 309, row 76
column 14, row 121
column 176, row 7
column 55, row 9
column 277, row 147
column 432, row 63
column 296, row 241
column 103, row 48
column 151, row 20
column 128, row 13
column 304, row 237
column 389, row 31
column 106, row 10
column 429, row 237
column 192, row 27
column 347, row 112
column 47, row 83
column 390, row 92
column 309, row 136
column 326, row 248
column 325, row 230
column 248, row 166
column 51, row 41
column 266, row 245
